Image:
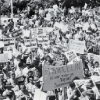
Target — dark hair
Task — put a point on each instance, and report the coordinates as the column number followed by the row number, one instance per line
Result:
column 20, row 64
column 29, row 78
column 72, row 85
column 96, row 62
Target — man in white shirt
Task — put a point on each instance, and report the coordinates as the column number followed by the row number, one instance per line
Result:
column 19, row 70
column 26, row 69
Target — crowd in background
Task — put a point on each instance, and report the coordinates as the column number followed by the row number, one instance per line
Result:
column 22, row 74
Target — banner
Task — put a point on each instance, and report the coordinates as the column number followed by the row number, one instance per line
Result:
column 60, row 76
column 78, row 46
column 3, row 58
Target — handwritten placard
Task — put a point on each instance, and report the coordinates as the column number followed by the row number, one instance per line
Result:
column 71, row 55
column 59, row 76
column 76, row 45
column 3, row 58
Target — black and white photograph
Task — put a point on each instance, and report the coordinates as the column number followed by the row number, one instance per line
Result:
column 49, row 49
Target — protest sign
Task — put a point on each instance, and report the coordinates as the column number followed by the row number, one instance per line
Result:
column 1, row 34
column 42, row 36
column 40, row 31
column 95, row 78
column 43, row 39
column 80, row 82
column 95, row 59
column 6, row 19
column 71, row 55
column 34, row 32
column 17, row 33
column 1, row 44
column 78, row 46
column 26, row 33
column 39, row 95
column 40, row 41
column 59, row 76
column 33, row 43
column 12, row 42
column 27, row 42
column 8, row 42
column 3, row 58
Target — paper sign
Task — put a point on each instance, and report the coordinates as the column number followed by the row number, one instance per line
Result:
column 78, row 46
column 1, row 44
column 26, row 33
column 95, row 59
column 60, row 76
column 3, row 58
column 33, row 43
column 40, row 31
column 17, row 33
column 39, row 95
column 8, row 42
column 95, row 78
column 43, row 96
column 27, row 42
column 71, row 55
column 34, row 32
column 80, row 82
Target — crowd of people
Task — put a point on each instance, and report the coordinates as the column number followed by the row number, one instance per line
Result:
column 22, row 74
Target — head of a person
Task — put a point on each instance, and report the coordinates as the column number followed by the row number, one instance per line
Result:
column 91, row 58
column 30, row 79
column 7, row 64
column 21, row 83
column 28, row 65
column 86, row 71
column 72, row 85
column 40, row 45
column 30, row 73
column 20, row 65
column 13, row 75
column 22, row 87
column 96, row 64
